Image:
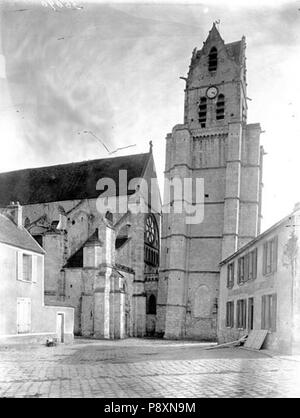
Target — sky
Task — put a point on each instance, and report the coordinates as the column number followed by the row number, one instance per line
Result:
column 71, row 77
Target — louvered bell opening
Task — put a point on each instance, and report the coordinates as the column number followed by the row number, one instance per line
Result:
column 213, row 60
column 202, row 112
column 220, row 109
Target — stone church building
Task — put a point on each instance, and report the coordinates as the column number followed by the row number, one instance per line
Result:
column 214, row 143
column 104, row 264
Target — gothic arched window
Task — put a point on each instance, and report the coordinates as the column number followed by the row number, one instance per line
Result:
column 152, row 305
column 151, row 248
column 202, row 111
column 220, row 108
column 213, row 59
column 151, row 231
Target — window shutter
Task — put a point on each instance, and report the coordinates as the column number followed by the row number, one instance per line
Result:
column 227, row 314
column 263, row 312
column 19, row 316
column 274, row 313
column 228, row 275
column 246, row 267
column 34, row 268
column 265, row 258
column 254, row 268
column 28, row 316
column 245, row 313
column 274, row 255
column 232, row 315
column 19, row 265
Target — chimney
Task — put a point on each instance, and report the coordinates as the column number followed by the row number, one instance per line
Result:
column 14, row 212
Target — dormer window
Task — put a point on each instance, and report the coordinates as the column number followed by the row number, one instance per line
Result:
column 220, row 108
column 202, row 111
column 213, row 59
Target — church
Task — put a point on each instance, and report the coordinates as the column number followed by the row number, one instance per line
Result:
column 112, row 266
column 215, row 143
column 104, row 264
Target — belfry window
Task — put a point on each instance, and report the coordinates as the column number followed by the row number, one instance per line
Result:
column 213, row 59
column 220, row 109
column 202, row 112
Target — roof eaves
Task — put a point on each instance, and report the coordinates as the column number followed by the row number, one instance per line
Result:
column 256, row 239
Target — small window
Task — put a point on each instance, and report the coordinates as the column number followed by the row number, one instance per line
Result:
column 230, row 314
column 152, row 305
column 230, row 275
column 220, row 107
column 270, row 256
column 269, row 312
column 27, row 267
column 213, row 59
column 241, row 314
column 202, row 111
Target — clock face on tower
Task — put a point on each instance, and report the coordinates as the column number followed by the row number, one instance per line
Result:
column 212, row 92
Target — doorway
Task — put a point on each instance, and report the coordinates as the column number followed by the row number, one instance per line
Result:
column 250, row 313
column 60, row 327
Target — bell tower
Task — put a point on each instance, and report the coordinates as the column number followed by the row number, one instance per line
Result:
column 215, row 144
column 216, row 84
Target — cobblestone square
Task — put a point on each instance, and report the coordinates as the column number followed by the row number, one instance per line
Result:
column 144, row 368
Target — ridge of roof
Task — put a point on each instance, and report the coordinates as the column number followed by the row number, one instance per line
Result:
column 76, row 163
column 71, row 181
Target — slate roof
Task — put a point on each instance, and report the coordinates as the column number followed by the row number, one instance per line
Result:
column 234, row 49
column 17, row 237
column 67, row 181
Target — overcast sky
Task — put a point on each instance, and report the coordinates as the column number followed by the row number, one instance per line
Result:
column 114, row 70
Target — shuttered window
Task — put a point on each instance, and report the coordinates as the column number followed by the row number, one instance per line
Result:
column 230, row 314
column 270, row 250
column 241, row 314
column 230, row 275
column 26, row 267
column 251, row 265
column 269, row 312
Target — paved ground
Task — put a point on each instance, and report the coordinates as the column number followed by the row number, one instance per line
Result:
column 144, row 368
